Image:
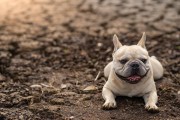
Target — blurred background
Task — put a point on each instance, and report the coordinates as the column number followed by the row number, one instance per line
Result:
column 91, row 17
column 61, row 45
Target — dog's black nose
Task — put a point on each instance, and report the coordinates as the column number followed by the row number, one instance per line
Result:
column 134, row 65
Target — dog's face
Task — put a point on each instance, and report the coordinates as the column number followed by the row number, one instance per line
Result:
column 130, row 63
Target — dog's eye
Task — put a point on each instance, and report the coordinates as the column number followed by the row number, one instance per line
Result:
column 144, row 60
column 123, row 61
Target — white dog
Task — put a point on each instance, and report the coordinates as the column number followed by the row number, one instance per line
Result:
column 132, row 73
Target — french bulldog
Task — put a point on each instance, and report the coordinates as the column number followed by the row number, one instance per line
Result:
column 132, row 73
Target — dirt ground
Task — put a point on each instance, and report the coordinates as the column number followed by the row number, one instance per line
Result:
column 51, row 50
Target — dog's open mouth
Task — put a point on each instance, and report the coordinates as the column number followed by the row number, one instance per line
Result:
column 133, row 79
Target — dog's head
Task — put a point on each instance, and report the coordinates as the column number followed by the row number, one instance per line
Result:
column 130, row 63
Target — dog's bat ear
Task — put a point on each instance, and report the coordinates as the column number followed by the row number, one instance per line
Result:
column 116, row 42
column 142, row 40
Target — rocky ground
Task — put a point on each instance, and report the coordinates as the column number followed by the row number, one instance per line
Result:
column 52, row 50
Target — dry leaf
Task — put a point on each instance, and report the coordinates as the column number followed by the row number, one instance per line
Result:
column 90, row 88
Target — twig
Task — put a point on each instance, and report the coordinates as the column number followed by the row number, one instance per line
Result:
column 97, row 76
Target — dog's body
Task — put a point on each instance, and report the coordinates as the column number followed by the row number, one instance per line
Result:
column 132, row 73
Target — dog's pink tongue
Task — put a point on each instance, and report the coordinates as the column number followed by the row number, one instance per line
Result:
column 134, row 78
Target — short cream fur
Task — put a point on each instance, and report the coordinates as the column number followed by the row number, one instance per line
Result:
column 145, row 88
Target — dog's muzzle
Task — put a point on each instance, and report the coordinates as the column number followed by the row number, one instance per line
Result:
column 132, row 79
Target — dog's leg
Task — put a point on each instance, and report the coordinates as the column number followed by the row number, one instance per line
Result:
column 109, row 98
column 150, row 101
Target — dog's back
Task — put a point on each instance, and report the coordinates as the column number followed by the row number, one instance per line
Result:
column 107, row 69
column 157, row 68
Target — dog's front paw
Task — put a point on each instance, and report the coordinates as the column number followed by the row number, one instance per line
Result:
column 151, row 108
column 109, row 105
